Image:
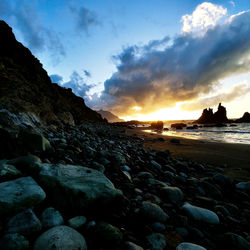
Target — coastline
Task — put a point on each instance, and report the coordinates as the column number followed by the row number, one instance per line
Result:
column 235, row 156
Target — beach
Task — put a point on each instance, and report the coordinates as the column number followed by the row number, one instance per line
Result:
column 234, row 158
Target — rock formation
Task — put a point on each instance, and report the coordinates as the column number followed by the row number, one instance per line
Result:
column 26, row 87
column 208, row 117
column 157, row 125
column 244, row 118
column 109, row 116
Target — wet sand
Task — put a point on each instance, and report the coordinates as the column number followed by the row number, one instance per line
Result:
column 235, row 156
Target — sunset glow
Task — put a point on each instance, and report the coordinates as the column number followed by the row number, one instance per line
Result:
column 165, row 114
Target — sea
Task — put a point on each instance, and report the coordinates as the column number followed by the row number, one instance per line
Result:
column 236, row 133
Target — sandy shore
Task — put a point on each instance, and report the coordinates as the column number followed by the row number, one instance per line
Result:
column 235, row 156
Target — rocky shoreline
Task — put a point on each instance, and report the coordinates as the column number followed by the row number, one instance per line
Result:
column 71, row 181
column 94, row 187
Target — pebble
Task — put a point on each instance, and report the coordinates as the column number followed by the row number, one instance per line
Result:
column 60, row 238
column 77, row 222
column 51, row 218
column 156, row 241
column 201, row 214
column 24, row 223
column 189, row 246
column 153, row 212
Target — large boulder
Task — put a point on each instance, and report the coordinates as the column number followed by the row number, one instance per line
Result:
column 19, row 194
column 77, row 188
column 60, row 238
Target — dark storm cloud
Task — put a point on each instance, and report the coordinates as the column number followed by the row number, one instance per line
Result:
column 85, row 18
column 191, row 65
column 23, row 16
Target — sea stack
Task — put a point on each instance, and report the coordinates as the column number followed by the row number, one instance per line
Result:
column 208, row 117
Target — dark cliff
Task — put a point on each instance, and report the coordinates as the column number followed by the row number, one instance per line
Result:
column 26, row 87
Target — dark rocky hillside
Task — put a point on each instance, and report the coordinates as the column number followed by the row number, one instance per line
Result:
column 26, row 87
column 109, row 116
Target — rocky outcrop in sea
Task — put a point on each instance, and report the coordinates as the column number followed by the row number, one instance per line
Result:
column 244, row 118
column 208, row 117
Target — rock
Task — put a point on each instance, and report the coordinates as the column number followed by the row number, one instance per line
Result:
column 34, row 141
column 8, row 171
column 208, row 117
column 233, row 241
column 131, row 246
column 178, row 125
column 189, row 246
column 145, row 175
column 244, row 118
column 24, row 163
column 77, row 222
column 108, row 235
column 223, row 180
column 78, row 188
column 157, row 125
column 98, row 167
column 51, row 218
column 8, row 142
column 182, row 231
column 19, row 194
column 156, row 165
column 61, row 238
column 175, row 141
column 211, row 190
column 201, row 214
column 118, row 159
column 158, row 227
column 24, row 223
column 153, row 212
column 244, row 186
column 173, row 194
column 156, row 241
column 14, row 242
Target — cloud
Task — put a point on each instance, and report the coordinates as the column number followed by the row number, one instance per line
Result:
column 76, row 83
column 87, row 73
column 232, row 3
column 234, row 93
column 204, row 17
column 190, row 66
column 24, row 17
column 85, row 18
column 56, row 79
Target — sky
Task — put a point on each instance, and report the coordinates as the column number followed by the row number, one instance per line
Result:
column 142, row 59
